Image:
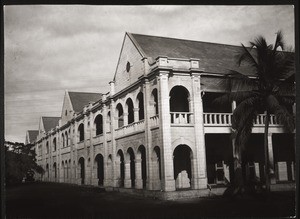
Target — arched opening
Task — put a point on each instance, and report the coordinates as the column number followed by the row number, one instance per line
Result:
column 130, row 112
column 47, row 147
column 55, row 170
column 63, row 140
column 54, row 144
column 81, row 166
column 98, row 124
column 132, row 166
column 120, row 157
column 120, row 115
column 47, row 171
column 179, row 105
column 140, row 99
column 157, row 161
column 66, row 139
column 67, row 169
column 142, row 154
column 182, row 166
column 154, row 101
column 81, row 132
column 100, row 169
column 63, row 170
column 108, row 122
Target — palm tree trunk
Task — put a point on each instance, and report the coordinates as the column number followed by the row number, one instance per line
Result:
column 267, row 166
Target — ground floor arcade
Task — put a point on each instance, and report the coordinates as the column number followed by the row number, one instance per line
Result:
column 130, row 168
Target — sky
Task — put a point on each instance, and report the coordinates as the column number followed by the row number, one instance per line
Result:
column 50, row 49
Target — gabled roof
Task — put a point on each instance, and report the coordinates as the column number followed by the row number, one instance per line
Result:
column 214, row 58
column 80, row 99
column 32, row 135
column 50, row 122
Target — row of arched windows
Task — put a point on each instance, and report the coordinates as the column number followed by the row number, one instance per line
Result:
column 128, row 110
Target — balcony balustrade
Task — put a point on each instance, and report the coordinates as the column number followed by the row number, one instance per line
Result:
column 181, row 118
column 224, row 119
column 131, row 128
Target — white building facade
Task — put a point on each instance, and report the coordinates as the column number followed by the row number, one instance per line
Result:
column 157, row 129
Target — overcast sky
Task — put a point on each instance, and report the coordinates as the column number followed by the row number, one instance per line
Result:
column 50, row 49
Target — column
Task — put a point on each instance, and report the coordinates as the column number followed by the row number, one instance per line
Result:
column 150, row 182
column 199, row 177
column 138, row 173
column 168, row 182
column 155, row 175
column 125, row 118
column 136, row 114
column 114, row 178
column 105, row 155
column 127, row 180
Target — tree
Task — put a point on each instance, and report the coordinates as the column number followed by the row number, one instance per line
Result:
column 271, row 91
column 20, row 162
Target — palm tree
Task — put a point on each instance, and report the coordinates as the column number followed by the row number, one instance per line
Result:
column 271, row 90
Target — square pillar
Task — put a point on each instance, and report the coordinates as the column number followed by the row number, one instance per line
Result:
column 168, row 182
column 138, row 174
column 199, row 176
column 127, row 180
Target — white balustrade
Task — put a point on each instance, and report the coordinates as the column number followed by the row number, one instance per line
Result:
column 181, row 117
column 133, row 127
column 224, row 119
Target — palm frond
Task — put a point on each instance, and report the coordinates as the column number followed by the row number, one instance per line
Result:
column 279, row 41
column 286, row 89
column 236, row 81
column 285, row 118
column 243, row 132
column 286, row 100
column 247, row 57
column 242, row 111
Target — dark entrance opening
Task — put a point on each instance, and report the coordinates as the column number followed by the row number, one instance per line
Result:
column 100, row 169
column 132, row 167
column 81, row 164
column 182, row 160
column 122, row 168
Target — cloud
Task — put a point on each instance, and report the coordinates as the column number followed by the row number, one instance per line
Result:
column 49, row 49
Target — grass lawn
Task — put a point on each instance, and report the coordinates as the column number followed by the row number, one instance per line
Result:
column 38, row 200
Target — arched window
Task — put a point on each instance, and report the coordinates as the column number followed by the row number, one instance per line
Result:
column 47, row 147
column 140, row 99
column 54, row 144
column 120, row 115
column 179, row 102
column 130, row 112
column 66, row 138
column 99, row 124
column 81, row 132
column 179, row 105
column 63, row 140
column 108, row 122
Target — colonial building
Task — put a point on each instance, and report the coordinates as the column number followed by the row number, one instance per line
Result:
column 157, row 128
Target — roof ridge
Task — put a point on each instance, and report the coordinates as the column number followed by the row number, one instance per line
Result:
column 185, row 40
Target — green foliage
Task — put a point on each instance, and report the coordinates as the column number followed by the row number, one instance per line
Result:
column 20, row 162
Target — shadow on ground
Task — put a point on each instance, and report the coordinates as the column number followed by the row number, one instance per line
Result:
column 53, row 200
